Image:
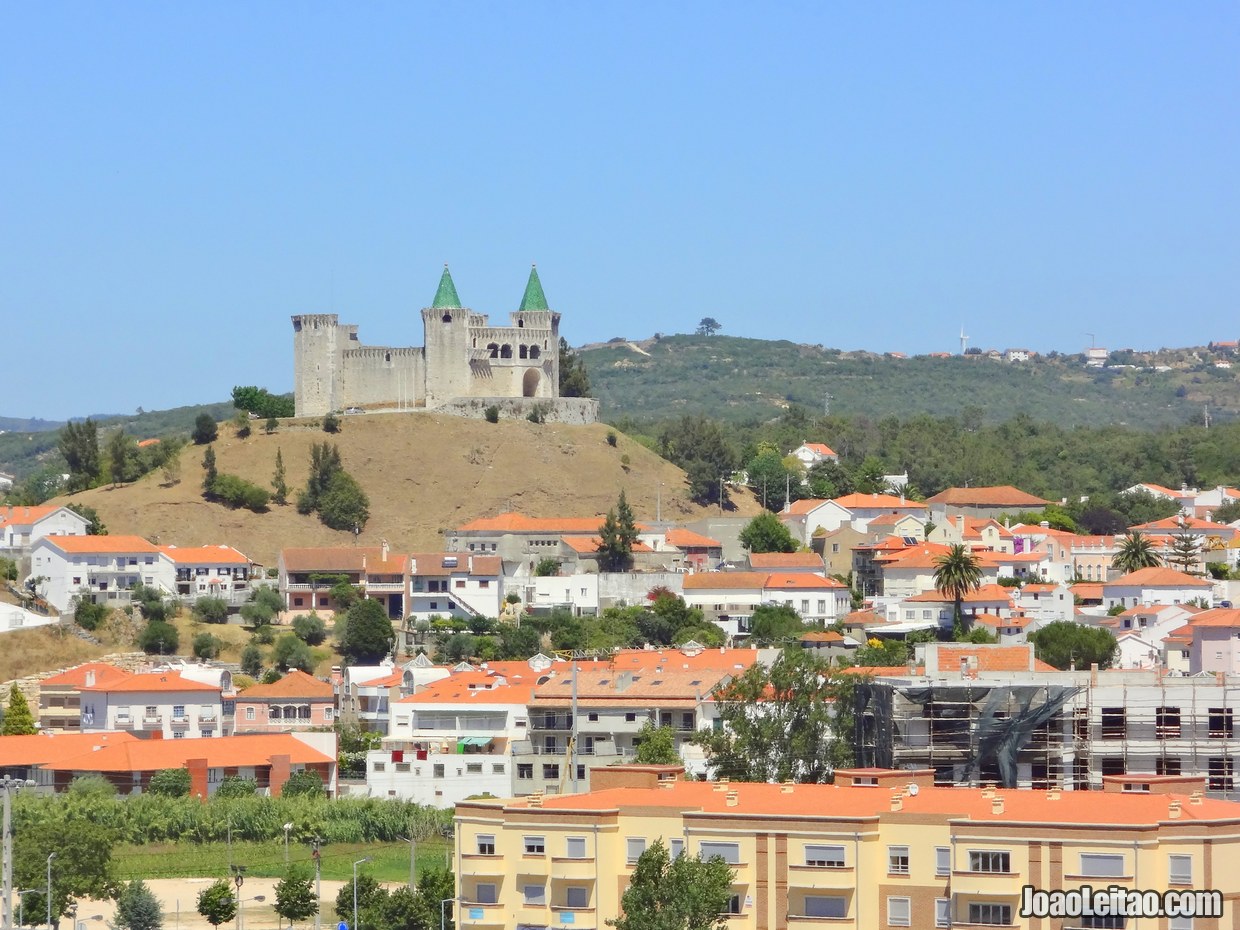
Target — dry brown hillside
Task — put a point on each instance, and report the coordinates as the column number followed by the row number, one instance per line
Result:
column 424, row 473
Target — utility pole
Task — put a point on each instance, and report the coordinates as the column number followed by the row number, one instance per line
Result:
column 8, row 786
column 413, row 876
column 787, row 491
column 318, row 882
column 572, row 755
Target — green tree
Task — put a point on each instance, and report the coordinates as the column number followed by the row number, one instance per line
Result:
column 271, row 426
column 1185, row 553
column 18, row 720
column 368, row 893
column 137, row 908
column 368, row 635
column 1065, row 644
column 304, row 784
column 1228, row 513
column 83, row 863
column 234, row 786
column 252, row 659
column 310, row 628
column 656, row 745
column 122, row 457
column 217, row 903
column 791, row 721
column 262, row 402
column 279, row 486
column 828, row 480
column 617, row 536
column 206, row 646
column 344, row 506
column 331, row 423
column 701, row 448
column 882, row 652
column 685, row 893
column 547, row 567
column 295, row 898
column 170, row 783
column 291, row 652
column 160, row 638
column 774, row 625
column 79, row 445
column 957, row 573
column 574, row 380
column 205, row 430
column 210, row 473
column 765, row 533
column 211, row 609
column 236, row 492
column 708, row 326
column 1135, row 551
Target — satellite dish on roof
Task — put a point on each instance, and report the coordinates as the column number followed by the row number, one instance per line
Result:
column 912, row 790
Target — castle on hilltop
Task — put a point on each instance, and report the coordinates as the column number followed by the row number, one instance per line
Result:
column 465, row 365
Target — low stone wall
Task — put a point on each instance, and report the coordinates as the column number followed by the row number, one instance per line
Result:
column 571, row 410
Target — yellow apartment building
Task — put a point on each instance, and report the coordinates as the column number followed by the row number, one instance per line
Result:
column 879, row 849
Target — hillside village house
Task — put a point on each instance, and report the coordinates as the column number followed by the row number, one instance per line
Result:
column 296, row 702
column 804, row 518
column 60, row 696
column 990, row 502
column 166, row 704
column 1156, row 586
column 102, row 568
column 307, row 575
column 27, row 758
column 876, row 849
column 454, row 584
column 1215, row 642
column 810, row 454
column 22, row 527
column 192, row 572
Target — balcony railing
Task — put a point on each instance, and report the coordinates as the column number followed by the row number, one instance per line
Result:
column 152, row 719
column 180, row 722
column 122, row 720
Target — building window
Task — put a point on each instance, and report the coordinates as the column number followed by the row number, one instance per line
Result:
column 437, row 770
column 734, row 905
column 473, row 768
column 897, row 860
column 535, row 895
column 486, row 894
column 327, row 713
column 728, row 852
column 497, row 768
column 634, row 846
column 1167, row 722
column 1221, row 723
column 525, row 770
column 402, row 766
column 675, row 847
column 249, row 713
column 899, row 911
column 486, row 844
column 551, row 770
column 1113, row 723
column 990, row 915
column 1171, row 765
column 1102, row 865
column 575, row 847
column 1180, row 870
column 1220, row 773
column 576, row 896
column 942, row 860
column 380, row 766
column 828, row 857
column 826, row 906
column 942, row 912
column 534, row 846
column 990, row 861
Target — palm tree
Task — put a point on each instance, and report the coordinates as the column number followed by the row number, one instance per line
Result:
column 956, row 573
column 1134, row 552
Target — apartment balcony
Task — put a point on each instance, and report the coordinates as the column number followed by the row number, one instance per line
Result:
column 121, row 720
column 802, row 922
column 181, row 723
column 573, row 869
column 382, row 587
column 990, row 884
column 822, row 878
column 152, row 720
column 469, row 914
column 483, row 866
column 574, row 916
column 207, row 716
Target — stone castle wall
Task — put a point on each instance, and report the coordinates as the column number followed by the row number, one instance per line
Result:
column 575, row 411
column 375, row 375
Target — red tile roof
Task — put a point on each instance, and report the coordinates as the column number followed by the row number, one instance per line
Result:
column 803, row 506
column 296, row 684
column 819, row 447
column 76, row 677
column 1003, row 495
column 425, row 564
column 149, row 755
column 877, row 501
column 204, row 555
column 479, row 687
column 1158, row 577
column 25, row 516
column 1227, row 617
column 987, row 593
column 151, row 682
column 1175, row 524
column 42, row 748
column 773, row 561
column 687, row 539
column 343, row 559
column 86, row 545
column 725, row 581
column 520, row 523
column 788, row 581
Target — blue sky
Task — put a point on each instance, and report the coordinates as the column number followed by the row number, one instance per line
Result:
column 181, row 178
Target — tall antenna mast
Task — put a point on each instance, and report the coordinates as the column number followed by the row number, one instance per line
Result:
column 964, row 340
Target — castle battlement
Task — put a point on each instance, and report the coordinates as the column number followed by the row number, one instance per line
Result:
column 463, row 358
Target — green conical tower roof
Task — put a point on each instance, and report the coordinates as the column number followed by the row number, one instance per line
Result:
column 534, row 298
column 445, row 296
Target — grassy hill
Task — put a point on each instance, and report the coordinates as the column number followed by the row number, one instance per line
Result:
column 752, row 379
column 423, row 473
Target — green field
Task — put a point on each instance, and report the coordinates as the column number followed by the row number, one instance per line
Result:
column 390, row 861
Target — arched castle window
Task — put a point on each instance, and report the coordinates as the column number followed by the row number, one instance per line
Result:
column 534, row 352
column 524, row 352
column 520, row 324
column 493, row 348
column 387, row 356
column 447, row 318
column 505, row 352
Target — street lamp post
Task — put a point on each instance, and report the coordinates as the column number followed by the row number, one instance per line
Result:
column 79, row 923
column 21, row 900
column 318, row 883
column 355, row 865
column 442, row 919
column 238, row 881
column 241, row 901
column 49, row 890
column 287, row 828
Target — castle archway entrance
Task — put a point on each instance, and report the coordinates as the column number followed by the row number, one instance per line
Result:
column 529, row 384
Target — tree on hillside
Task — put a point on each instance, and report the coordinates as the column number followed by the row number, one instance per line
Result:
column 774, row 625
column 79, row 444
column 1185, row 553
column 1065, row 645
column 656, row 745
column 94, row 525
column 279, row 486
column 295, row 898
column 1134, row 552
column 310, row 628
column 829, row 479
column 252, row 659
column 574, row 380
column 123, row 460
column 262, row 402
column 367, row 893
column 18, row 720
column 344, row 505
column 205, row 430
column 617, row 536
column 685, row 893
column 137, row 908
column 958, row 573
column 368, row 635
column 217, row 903
column 708, row 326
column 765, row 533
column 700, row 446
column 1228, row 513
column 792, row 721
column 159, row 638
column 291, row 652
column 210, row 473
column 771, row 479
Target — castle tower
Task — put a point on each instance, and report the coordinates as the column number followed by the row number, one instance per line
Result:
column 446, row 326
column 317, row 348
column 541, row 328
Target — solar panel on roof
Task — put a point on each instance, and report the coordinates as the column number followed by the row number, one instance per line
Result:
column 911, row 540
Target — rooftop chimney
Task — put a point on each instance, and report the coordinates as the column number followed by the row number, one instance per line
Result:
column 988, row 791
column 897, row 801
column 90, row 678
column 1052, row 794
column 1195, row 798
column 996, row 805
column 732, row 799
column 383, row 547
column 1173, row 809
column 786, row 788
